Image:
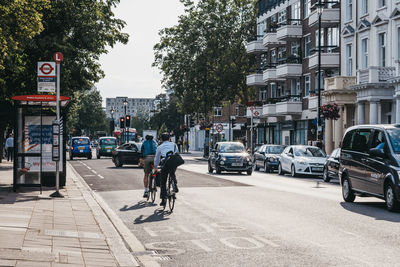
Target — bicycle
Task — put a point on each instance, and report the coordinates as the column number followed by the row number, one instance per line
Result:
column 152, row 187
column 170, row 193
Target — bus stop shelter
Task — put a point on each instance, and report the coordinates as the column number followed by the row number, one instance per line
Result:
column 33, row 164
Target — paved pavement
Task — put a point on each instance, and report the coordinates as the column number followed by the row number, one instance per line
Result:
column 36, row 230
column 240, row 220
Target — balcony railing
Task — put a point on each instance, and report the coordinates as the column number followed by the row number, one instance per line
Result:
column 330, row 17
column 375, row 74
column 290, row 29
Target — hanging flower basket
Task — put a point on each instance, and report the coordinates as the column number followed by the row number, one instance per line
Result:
column 330, row 111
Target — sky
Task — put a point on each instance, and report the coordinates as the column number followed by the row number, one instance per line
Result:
column 128, row 67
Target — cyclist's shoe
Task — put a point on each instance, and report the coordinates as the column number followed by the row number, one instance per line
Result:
column 163, row 202
column 175, row 188
column 146, row 194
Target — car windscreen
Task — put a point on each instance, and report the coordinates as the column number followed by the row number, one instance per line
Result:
column 309, row 152
column 108, row 141
column 231, row 148
column 394, row 136
column 80, row 141
column 275, row 149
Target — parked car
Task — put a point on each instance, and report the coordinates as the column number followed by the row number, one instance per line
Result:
column 331, row 167
column 229, row 156
column 267, row 157
column 370, row 163
column 106, row 145
column 128, row 153
column 80, row 147
column 299, row 159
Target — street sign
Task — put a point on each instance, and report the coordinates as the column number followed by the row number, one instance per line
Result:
column 256, row 113
column 46, row 77
column 219, row 127
column 58, row 57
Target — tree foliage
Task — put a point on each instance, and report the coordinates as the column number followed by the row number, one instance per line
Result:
column 168, row 115
column 203, row 58
column 86, row 114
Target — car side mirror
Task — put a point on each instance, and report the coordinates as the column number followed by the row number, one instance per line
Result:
column 376, row 152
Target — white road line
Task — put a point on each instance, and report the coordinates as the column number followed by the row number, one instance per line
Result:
column 94, row 171
column 88, row 167
column 266, row 241
column 350, row 233
column 88, row 175
column 101, row 177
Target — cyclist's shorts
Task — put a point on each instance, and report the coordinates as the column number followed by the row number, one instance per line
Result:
column 148, row 163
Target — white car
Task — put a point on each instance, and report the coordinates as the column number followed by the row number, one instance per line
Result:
column 299, row 159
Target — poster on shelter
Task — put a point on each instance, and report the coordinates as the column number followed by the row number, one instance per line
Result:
column 33, row 133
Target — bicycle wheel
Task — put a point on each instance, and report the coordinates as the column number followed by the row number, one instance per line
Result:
column 153, row 189
column 171, row 195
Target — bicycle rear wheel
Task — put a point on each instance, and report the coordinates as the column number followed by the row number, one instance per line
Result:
column 171, row 195
column 153, row 189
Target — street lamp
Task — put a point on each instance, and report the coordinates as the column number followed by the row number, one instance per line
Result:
column 320, row 9
column 124, row 130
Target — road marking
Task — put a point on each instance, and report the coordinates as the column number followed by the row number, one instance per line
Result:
column 88, row 167
column 266, row 241
column 101, row 177
column 200, row 244
column 350, row 233
column 94, row 171
column 207, row 228
column 249, row 240
column 89, row 175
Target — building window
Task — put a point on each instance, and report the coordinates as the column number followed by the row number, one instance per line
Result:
column 307, row 85
column 295, row 49
column 295, row 87
column 282, row 17
column 273, row 56
column 307, row 8
column 281, row 53
column 349, row 9
column 364, row 53
column 280, row 90
column 349, row 60
column 307, row 46
column 317, row 36
column 382, row 49
column 398, row 41
column 333, row 37
column 321, row 81
column 381, row 3
column 295, row 8
column 273, row 90
column 218, row 111
column 263, row 94
column 364, row 7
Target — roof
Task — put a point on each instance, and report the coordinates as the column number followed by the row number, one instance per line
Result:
column 375, row 126
column 76, row 137
column 107, row 137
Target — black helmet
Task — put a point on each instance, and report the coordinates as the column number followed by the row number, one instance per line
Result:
column 149, row 137
column 165, row 136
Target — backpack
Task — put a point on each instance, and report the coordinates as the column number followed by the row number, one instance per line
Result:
column 149, row 146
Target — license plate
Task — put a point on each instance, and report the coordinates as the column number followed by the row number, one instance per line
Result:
column 318, row 169
column 81, row 150
column 108, row 150
column 237, row 164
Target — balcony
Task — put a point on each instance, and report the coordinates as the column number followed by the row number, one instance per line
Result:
column 286, row 32
column 291, row 106
column 255, row 79
column 313, row 102
column 270, row 40
column 256, row 109
column 338, row 90
column 375, row 74
column 328, row 60
column 330, row 17
column 256, row 46
column 269, row 74
column 339, row 83
column 290, row 67
column 269, row 110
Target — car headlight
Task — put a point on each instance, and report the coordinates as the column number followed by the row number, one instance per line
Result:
column 302, row 162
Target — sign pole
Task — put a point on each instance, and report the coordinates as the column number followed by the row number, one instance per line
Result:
column 58, row 58
column 251, row 132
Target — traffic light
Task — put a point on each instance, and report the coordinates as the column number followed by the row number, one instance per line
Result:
column 128, row 121
column 233, row 122
column 191, row 122
column 122, row 122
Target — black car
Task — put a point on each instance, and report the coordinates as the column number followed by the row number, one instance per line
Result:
column 331, row 167
column 370, row 163
column 229, row 156
column 128, row 153
column 267, row 157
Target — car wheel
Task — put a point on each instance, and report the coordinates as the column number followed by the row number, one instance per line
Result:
column 280, row 171
column 249, row 172
column 347, row 192
column 117, row 162
column 293, row 171
column 390, row 198
column 266, row 169
column 217, row 169
column 210, row 169
column 326, row 175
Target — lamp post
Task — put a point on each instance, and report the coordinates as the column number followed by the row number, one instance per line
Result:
column 320, row 9
column 124, row 130
column 112, row 120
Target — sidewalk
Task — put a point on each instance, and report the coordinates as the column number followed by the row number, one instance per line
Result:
column 36, row 230
column 194, row 155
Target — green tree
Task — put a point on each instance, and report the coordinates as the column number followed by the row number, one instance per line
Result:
column 203, row 58
column 140, row 122
column 86, row 114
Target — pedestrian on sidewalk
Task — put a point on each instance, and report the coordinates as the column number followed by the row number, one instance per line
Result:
column 10, row 147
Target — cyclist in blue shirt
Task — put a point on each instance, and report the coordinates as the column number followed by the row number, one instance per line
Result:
column 148, row 150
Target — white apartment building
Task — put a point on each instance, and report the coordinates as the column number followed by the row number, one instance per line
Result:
column 134, row 107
